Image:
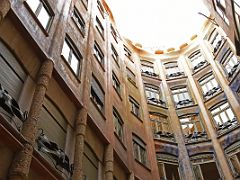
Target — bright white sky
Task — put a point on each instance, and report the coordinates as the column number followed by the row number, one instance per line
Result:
column 158, row 24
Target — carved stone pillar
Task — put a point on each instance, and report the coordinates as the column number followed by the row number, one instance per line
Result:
column 81, row 122
column 108, row 162
column 21, row 163
column 5, row 6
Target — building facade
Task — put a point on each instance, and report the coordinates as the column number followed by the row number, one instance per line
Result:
column 80, row 102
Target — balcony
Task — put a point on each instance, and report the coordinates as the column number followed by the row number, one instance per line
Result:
column 176, row 74
column 233, row 70
column 195, row 137
column 211, row 92
column 156, row 101
column 184, row 103
column 199, row 65
column 221, row 128
column 164, row 135
column 149, row 73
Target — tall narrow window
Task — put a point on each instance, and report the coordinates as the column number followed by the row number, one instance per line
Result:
column 116, row 83
column 97, row 94
column 153, row 95
column 181, row 97
column 98, row 53
column 71, row 55
column 172, row 70
column 113, row 32
column 131, row 77
column 223, row 116
column 220, row 6
column 160, row 126
column 135, row 107
column 233, row 152
column 128, row 53
column 216, row 41
column 99, row 27
column 192, row 128
column 230, row 63
column 139, row 148
column 168, row 166
column 209, row 86
column 237, row 13
column 100, row 7
column 205, row 167
column 78, row 19
column 114, row 53
column 42, row 12
column 197, row 60
column 118, row 124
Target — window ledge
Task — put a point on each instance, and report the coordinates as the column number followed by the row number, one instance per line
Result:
column 121, row 142
column 82, row 31
column 102, row 66
column 213, row 96
column 119, row 95
column 137, row 117
column 227, row 131
column 143, row 165
column 101, row 113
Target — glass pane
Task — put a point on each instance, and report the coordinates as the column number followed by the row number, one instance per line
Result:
column 65, row 50
column 44, row 17
column 230, row 113
column 33, row 4
column 74, row 64
column 224, row 117
column 217, row 120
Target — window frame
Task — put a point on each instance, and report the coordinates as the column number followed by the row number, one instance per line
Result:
column 139, row 150
column 116, row 82
column 99, row 27
column 135, row 107
column 220, row 8
column 42, row 5
column 73, row 51
column 98, row 54
column 79, row 21
column 186, row 102
column 118, row 121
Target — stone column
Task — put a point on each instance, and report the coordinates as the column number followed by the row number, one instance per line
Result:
column 108, row 162
column 21, row 163
column 5, row 6
column 81, row 123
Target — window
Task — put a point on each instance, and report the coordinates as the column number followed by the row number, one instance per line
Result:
column 131, row 77
column 85, row 3
column 168, row 167
column 223, row 116
column 160, row 126
column 114, row 53
column 209, row 86
column 99, row 27
column 197, row 60
column 128, row 53
column 216, row 41
column 230, row 63
column 98, row 53
column 118, row 124
column 192, row 128
column 139, row 148
column 42, row 12
column 71, row 55
column 116, row 83
column 233, row 152
column 97, row 94
column 79, row 20
column 100, row 7
column 237, row 13
column 135, row 108
column 205, row 167
column 220, row 6
column 113, row 32
column 153, row 95
column 172, row 70
column 181, row 97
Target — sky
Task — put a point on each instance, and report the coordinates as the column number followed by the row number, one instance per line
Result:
column 158, row 24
